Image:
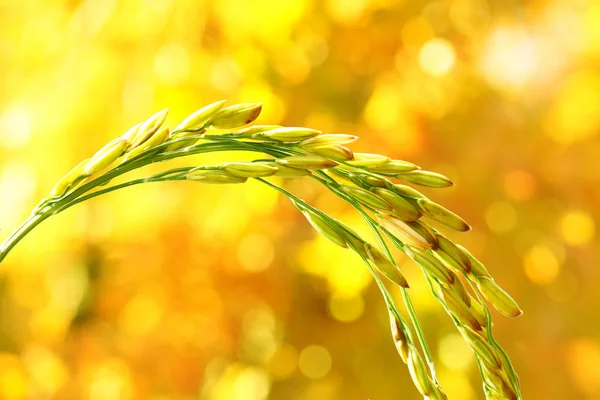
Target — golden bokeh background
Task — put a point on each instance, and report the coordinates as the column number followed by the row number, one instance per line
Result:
column 182, row 291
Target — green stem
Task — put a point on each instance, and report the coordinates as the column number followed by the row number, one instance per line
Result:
column 405, row 296
column 154, row 178
column 26, row 227
column 488, row 318
column 386, row 295
column 52, row 206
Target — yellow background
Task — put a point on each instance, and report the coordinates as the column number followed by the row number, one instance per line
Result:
column 183, row 291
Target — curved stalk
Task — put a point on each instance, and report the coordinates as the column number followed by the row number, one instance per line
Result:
column 404, row 291
column 288, row 146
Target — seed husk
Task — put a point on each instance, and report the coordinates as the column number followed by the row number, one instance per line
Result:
column 407, row 191
column 131, row 131
column 400, row 337
column 214, row 176
column 368, row 160
column 158, row 138
column 251, row 130
column 367, row 198
column 394, row 166
column 448, row 261
column 248, row 169
column 436, row 394
column 496, row 379
column 432, row 266
column 453, row 255
column 69, row 179
column 426, row 178
column 337, row 153
column 323, row 226
column 481, row 347
column 443, row 215
column 286, row 172
column 498, row 297
column 493, row 395
column 148, row 128
column 459, row 289
column 328, row 140
column 418, row 371
column 343, row 178
column 236, row 115
column 357, row 245
column 401, row 208
column 287, row 134
column 201, row 117
column 477, row 268
column 385, row 266
column 184, row 143
column 352, row 238
column 307, row 162
column 375, row 181
column 477, row 311
column 458, row 308
column 424, row 230
column 403, row 232
column 105, row 156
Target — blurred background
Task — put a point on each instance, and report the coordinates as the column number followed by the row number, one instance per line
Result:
column 183, row 291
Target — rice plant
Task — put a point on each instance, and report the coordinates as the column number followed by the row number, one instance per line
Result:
column 397, row 214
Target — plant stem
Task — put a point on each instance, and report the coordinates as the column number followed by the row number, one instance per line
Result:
column 405, row 296
column 26, row 227
column 52, row 206
column 386, row 295
column 155, row 178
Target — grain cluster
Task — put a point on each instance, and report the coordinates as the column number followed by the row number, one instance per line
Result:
column 375, row 185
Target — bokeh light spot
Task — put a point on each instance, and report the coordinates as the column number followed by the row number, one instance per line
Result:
column 456, row 385
column 454, row 352
column 255, row 252
column 252, row 383
column 293, row 64
column 344, row 273
column 386, row 111
column 226, row 74
column 436, row 12
column 346, row 11
column 269, row 21
column 415, row 32
column 18, row 179
column 15, row 127
column 437, row 57
column 381, row 111
column 592, row 26
column 583, row 359
column 577, row 228
column 346, row 309
column 46, row 369
column 283, row 363
column 259, row 333
column 13, row 381
column 315, row 361
column 564, row 289
column 575, row 114
column 519, row 185
column 111, row 381
column 141, row 315
column 469, row 16
column 541, row 265
column 172, row 64
column 501, row 217
column 511, row 58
